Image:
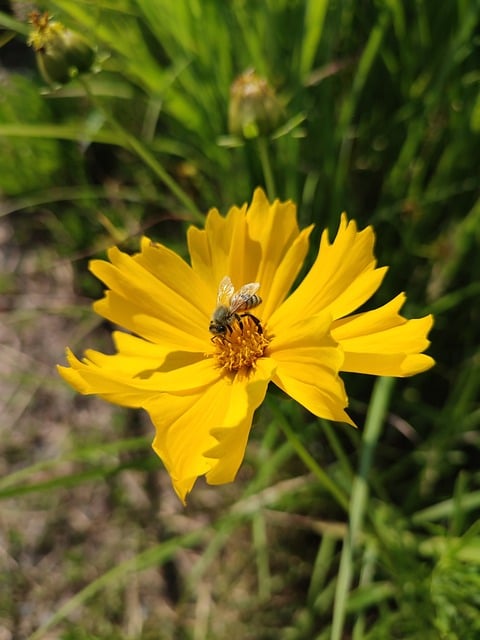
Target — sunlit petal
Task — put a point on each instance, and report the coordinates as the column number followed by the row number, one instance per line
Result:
column 154, row 329
column 143, row 293
column 342, row 277
column 110, row 376
column 382, row 342
column 275, row 229
column 232, row 435
column 308, row 365
column 261, row 243
column 174, row 273
column 195, row 432
column 277, row 280
column 220, row 249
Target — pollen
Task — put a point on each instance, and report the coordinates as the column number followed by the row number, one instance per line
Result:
column 241, row 347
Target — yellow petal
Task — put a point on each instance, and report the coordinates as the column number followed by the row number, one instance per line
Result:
column 182, row 434
column 274, row 228
column 308, row 361
column 276, row 279
column 88, row 379
column 317, row 388
column 143, row 293
column 233, row 434
column 291, row 332
column 259, row 244
column 382, row 342
column 174, row 273
column 219, row 249
column 194, row 432
column 379, row 319
column 342, row 277
column 397, row 365
column 393, row 352
column 132, row 380
column 170, row 336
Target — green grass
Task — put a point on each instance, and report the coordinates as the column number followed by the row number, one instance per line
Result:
column 328, row 533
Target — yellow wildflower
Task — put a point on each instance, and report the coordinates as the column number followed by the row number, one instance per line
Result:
column 201, row 387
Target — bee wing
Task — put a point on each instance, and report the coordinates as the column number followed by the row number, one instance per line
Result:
column 225, row 292
column 243, row 295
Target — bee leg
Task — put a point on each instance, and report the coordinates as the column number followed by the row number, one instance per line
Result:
column 256, row 321
column 239, row 320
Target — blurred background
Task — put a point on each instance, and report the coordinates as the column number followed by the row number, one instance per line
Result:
column 367, row 107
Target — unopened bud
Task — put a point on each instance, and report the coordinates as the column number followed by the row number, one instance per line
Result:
column 60, row 52
column 254, row 108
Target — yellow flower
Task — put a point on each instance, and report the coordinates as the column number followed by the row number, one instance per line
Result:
column 200, row 387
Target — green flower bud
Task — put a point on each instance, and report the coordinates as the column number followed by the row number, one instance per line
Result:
column 254, row 108
column 60, row 52
column 53, row 65
column 78, row 52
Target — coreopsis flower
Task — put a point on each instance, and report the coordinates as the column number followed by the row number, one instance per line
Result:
column 205, row 339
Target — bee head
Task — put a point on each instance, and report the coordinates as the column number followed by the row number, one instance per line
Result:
column 217, row 328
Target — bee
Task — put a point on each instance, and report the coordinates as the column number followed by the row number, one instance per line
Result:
column 229, row 305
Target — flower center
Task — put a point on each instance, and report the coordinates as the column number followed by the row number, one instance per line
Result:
column 242, row 346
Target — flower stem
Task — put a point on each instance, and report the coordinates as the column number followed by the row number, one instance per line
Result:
column 131, row 142
column 358, row 501
column 266, row 167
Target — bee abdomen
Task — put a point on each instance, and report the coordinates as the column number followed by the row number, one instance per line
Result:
column 251, row 302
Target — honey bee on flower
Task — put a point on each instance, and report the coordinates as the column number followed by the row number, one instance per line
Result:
column 231, row 303
column 202, row 394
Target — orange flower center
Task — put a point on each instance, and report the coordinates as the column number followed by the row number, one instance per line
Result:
column 242, row 346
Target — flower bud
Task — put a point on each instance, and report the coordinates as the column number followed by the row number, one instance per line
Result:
column 79, row 53
column 254, row 108
column 60, row 52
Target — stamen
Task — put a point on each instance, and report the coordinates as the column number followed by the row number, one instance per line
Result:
column 242, row 347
